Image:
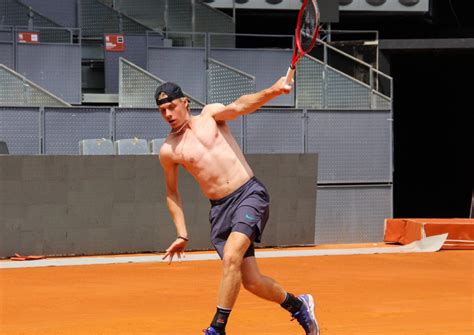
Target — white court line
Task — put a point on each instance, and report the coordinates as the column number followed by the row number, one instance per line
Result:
column 427, row 244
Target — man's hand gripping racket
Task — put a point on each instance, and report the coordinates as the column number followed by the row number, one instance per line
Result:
column 306, row 34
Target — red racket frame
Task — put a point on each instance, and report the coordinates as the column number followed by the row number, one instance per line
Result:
column 298, row 51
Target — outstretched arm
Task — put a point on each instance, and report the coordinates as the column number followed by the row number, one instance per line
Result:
column 175, row 207
column 247, row 103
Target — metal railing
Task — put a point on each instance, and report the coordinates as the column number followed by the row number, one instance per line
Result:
column 96, row 18
column 329, row 78
column 334, row 75
column 225, row 83
column 137, row 87
column 252, row 41
column 175, row 15
column 65, row 35
column 18, row 14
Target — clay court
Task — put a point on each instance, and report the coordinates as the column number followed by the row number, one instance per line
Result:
column 364, row 144
column 391, row 294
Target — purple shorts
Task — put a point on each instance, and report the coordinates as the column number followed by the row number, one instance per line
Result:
column 245, row 210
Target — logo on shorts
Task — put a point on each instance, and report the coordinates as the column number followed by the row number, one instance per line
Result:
column 250, row 217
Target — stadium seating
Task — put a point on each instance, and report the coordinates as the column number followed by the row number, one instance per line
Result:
column 96, row 146
column 132, row 146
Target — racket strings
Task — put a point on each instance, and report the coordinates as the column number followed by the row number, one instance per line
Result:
column 309, row 26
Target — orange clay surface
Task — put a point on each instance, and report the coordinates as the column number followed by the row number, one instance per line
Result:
column 387, row 294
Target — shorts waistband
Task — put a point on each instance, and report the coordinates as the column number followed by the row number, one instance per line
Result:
column 221, row 200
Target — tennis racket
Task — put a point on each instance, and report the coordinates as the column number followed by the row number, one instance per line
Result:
column 306, row 34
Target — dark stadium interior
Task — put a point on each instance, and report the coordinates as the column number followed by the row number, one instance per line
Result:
column 433, row 135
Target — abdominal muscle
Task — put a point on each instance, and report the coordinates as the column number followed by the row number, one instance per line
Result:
column 210, row 154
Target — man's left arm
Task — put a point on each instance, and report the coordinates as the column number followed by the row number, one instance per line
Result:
column 247, row 103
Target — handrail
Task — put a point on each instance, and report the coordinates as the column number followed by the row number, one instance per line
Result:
column 371, row 69
column 69, row 30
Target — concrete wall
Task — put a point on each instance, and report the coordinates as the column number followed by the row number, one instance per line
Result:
column 84, row 205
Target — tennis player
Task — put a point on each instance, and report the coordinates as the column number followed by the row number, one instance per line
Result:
column 205, row 147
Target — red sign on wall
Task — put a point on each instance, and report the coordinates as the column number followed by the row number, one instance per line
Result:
column 28, row 37
column 114, row 42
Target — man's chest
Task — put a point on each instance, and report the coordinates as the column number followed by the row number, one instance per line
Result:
column 195, row 144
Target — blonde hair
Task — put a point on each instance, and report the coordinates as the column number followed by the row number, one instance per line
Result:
column 183, row 99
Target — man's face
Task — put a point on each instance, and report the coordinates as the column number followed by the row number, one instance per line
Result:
column 175, row 112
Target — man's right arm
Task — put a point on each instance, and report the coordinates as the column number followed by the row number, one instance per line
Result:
column 173, row 199
column 175, row 207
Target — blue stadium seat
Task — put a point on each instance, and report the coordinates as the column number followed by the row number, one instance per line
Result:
column 96, row 146
column 132, row 146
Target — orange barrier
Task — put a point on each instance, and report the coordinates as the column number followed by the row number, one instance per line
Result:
column 404, row 231
column 387, row 294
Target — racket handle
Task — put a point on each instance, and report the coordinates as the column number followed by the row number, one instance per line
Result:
column 289, row 76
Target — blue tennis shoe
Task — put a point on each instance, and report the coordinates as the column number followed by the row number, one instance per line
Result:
column 212, row 331
column 305, row 316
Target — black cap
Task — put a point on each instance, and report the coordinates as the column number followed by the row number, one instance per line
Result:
column 172, row 91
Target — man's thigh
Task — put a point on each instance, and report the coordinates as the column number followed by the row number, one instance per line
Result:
column 237, row 243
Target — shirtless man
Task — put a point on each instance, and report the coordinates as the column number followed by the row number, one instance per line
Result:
column 205, row 147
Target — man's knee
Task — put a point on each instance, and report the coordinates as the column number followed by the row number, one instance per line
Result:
column 232, row 260
column 234, row 250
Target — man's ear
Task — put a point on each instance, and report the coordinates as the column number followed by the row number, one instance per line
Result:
column 186, row 103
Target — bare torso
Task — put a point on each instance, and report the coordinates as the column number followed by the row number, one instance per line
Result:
column 209, row 152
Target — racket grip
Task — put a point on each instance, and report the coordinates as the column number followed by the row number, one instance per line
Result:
column 289, row 76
